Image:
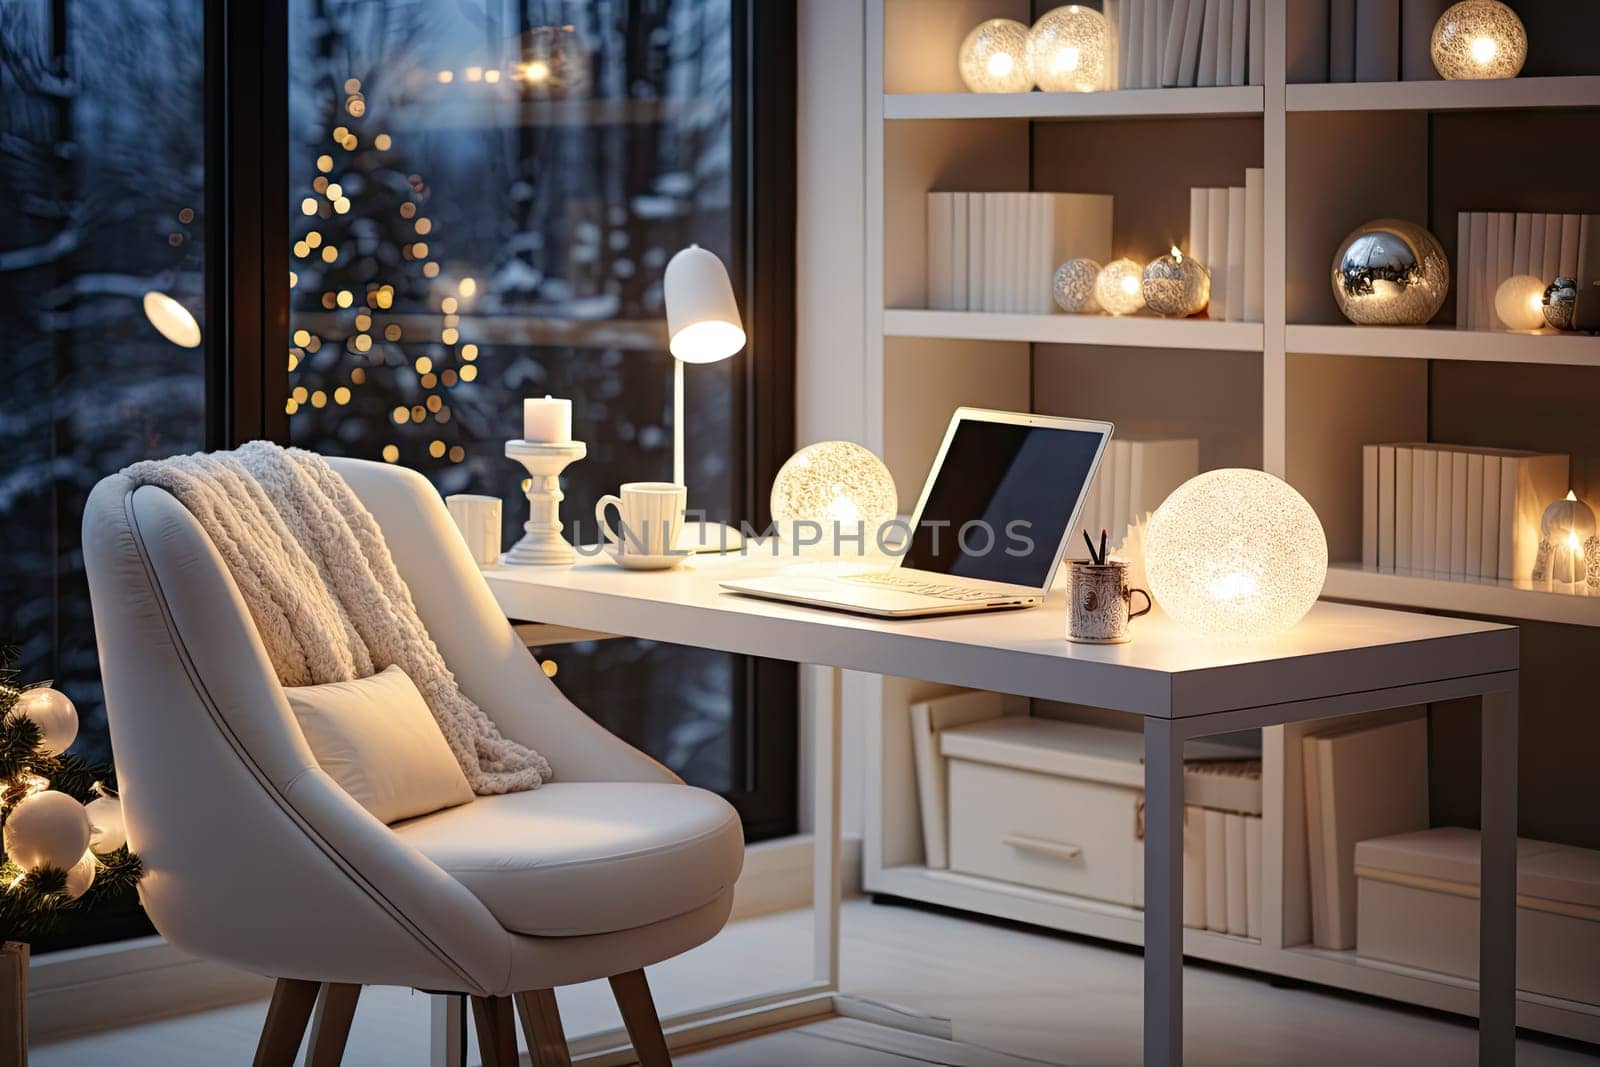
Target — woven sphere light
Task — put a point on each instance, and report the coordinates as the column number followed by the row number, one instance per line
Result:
column 1120, row 287
column 1067, row 50
column 1390, row 272
column 1235, row 554
column 838, row 485
column 1073, row 285
column 994, row 58
column 1478, row 39
column 1176, row 285
column 1519, row 302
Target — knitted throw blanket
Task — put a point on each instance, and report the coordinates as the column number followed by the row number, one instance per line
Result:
column 323, row 590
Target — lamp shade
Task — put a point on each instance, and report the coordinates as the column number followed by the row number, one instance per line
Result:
column 702, row 318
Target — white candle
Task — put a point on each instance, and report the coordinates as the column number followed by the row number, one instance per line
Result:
column 547, row 420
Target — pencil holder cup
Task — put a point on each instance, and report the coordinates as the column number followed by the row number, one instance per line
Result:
column 1100, row 604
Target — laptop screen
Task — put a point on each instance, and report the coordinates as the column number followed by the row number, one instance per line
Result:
column 1002, row 500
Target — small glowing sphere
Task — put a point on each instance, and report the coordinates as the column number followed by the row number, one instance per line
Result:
column 1120, row 287
column 1479, row 39
column 53, row 714
column 994, row 58
column 840, row 486
column 1566, row 526
column 1176, row 285
column 1073, row 285
column 47, row 829
column 171, row 319
column 1235, row 554
column 1067, row 50
column 1519, row 302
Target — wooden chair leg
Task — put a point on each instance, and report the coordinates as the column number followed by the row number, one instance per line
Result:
column 541, row 1022
column 639, row 1016
column 330, row 1026
column 497, row 1030
column 292, row 1001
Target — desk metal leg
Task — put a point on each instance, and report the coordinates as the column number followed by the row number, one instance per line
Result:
column 825, row 829
column 1163, row 894
column 1497, row 905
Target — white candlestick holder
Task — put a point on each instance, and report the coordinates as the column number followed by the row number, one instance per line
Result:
column 542, row 544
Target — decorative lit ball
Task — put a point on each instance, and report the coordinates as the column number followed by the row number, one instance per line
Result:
column 994, row 58
column 1390, row 272
column 1067, row 50
column 53, row 714
column 47, row 828
column 1566, row 526
column 1561, row 303
column 1478, row 39
column 1235, row 554
column 1176, row 285
column 1120, row 287
column 555, row 61
column 106, row 830
column 80, row 876
column 1519, row 302
column 839, row 485
column 1073, row 285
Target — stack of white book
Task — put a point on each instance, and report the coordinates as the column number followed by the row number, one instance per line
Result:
column 1227, row 236
column 1222, row 846
column 1170, row 43
column 1456, row 512
column 1492, row 246
column 1133, row 479
column 999, row 251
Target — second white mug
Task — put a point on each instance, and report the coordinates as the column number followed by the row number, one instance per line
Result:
column 651, row 514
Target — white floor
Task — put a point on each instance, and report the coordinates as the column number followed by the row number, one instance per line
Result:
column 1014, row 997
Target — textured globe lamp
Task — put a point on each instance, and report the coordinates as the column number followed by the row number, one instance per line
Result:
column 1566, row 540
column 1235, row 554
column 1067, row 50
column 1073, row 286
column 1478, row 39
column 1519, row 302
column 840, row 486
column 994, row 58
column 1390, row 272
column 1560, row 303
column 1120, row 287
column 1175, row 285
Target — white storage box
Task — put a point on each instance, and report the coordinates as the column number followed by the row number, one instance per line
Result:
column 1417, row 904
column 1058, row 805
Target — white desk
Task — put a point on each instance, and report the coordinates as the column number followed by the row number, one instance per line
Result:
column 1340, row 659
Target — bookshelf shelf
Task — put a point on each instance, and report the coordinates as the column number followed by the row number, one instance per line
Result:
column 1568, row 92
column 1136, row 331
column 1469, row 596
column 1445, row 342
column 1120, row 104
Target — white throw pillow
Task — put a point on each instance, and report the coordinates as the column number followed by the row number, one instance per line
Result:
column 376, row 737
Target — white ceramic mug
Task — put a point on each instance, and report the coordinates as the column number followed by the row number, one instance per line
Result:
column 478, row 519
column 651, row 513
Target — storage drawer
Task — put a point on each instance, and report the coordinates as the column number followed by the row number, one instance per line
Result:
column 1062, row 834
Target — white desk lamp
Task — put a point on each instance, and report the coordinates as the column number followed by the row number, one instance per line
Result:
column 704, row 326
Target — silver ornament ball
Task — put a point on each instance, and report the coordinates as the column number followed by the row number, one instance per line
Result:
column 1390, row 272
column 1073, row 286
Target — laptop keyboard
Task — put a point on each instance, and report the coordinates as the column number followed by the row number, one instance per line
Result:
column 906, row 584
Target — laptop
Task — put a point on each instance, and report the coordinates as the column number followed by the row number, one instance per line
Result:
column 995, row 517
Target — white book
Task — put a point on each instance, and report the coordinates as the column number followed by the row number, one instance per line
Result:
column 1521, row 243
column 1369, row 506
column 1486, row 280
column 1217, row 246
column 1122, row 488
column 1011, row 253
column 928, row 717
column 1133, row 43
column 1386, row 479
column 1155, row 25
column 1000, row 251
column 1570, row 227
column 1478, row 269
column 1112, row 10
column 1238, row 907
column 960, row 257
column 1458, row 514
column 1155, row 469
column 1474, row 515
column 1236, row 250
column 1216, row 871
column 1224, row 42
column 1258, row 44
column 941, row 282
column 1206, row 66
column 1536, row 244
column 1040, row 215
column 1552, row 247
column 1402, row 507
column 1021, row 249
column 1529, row 481
column 977, row 252
column 1505, row 247
column 1489, row 564
column 1194, row 865
column 1252, row 861
column 1199, row 224
column 1443, row 486
column 1588, row 272
column 1427, row 559
column 1255, row 252
column 1127, row 64
column 1421, row 494
column 1238, row 58
column 1172, row 45
column 1462, row 277
column 1189, row 57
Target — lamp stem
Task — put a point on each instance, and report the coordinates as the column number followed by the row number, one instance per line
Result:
column 677, row 422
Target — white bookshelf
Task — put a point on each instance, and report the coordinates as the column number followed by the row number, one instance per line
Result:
column 1296, row 394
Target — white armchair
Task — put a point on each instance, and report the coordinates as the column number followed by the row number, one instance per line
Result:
column 254, row 856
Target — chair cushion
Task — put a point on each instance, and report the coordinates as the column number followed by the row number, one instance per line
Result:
column 573, row 858
column 376, row 737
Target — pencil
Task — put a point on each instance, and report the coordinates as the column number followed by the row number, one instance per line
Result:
column 1102, row 558
column 1092, row 557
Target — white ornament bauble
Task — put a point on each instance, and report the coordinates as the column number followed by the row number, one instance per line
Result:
column 1519, row 302
column 47, row 828
column 80, row 876
column 1120, row 287
column 53, row 714
column 1073, row 285
column 106, row 832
